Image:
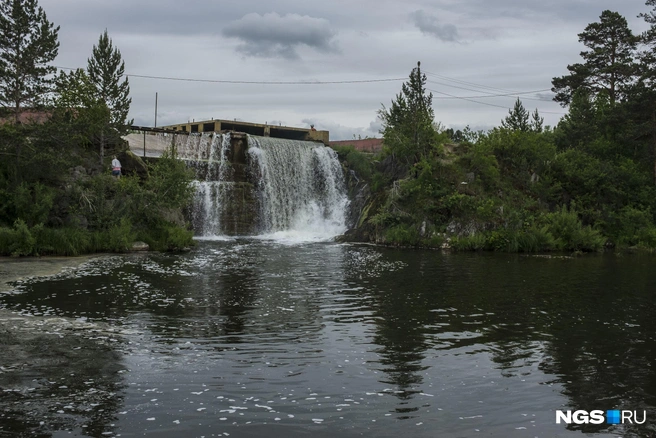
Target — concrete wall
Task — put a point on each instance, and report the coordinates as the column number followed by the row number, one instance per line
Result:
column 263, row 130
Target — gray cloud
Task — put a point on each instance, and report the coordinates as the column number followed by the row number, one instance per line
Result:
column 272, row 35
column 430, row 25
column 546, row 97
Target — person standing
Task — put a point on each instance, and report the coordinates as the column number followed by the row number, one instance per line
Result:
column 116, row 168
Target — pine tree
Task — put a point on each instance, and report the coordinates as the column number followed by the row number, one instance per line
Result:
column 648, row 57
column 408, row 128
column 28, row 42
column 646, row 97
column 537, row 122
column 609, row 65
column 106, row 70
column 517, row 118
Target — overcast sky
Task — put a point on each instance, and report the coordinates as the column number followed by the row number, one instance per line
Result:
column 467, row 48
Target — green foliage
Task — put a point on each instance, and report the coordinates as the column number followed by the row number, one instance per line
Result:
column 519, row 154
column 118, row 237
column 106, row 70
column 23, row 241
column 402, row 235
column 632, row 227
column 170, row 182
column 517, row 119
column 483, row 163
column 79, row 116
column 109, row 91
column 356, row 161
column 68, row 241
column 408, row 126
column 570, row 234
column 475, row 242
column 532, row 239
column 609, row 66
column 28, row 43
column 168, row 237
column 47, row 204
column 32, row 202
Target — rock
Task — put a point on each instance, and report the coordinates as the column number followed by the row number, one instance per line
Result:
column 78, row 172
column 470, row 177
column 78, row 221
column 140, row 246
column 131, row 164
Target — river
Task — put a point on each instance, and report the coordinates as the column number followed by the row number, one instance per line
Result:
column 249, row 338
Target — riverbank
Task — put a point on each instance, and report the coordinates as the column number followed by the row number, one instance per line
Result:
column 13, row 269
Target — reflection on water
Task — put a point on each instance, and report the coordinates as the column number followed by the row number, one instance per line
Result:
column 247, row 338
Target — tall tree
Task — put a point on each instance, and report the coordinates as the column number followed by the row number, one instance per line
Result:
column 28, row 42
column 106, row 69
column 647, row 89
column 517, row 118
column 537, row 121
column 408, row 127
column 609, row 66
column 648, row 56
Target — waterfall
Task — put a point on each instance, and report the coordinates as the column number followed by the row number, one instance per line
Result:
column 287, row 190
column 207, row 153
column 301, row 189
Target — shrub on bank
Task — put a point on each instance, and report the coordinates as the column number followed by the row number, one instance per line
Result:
column 20, row 240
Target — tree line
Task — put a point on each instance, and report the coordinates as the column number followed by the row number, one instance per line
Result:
column 586, row 184
column 56, row 194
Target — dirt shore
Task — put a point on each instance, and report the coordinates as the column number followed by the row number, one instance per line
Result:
column 13, row 269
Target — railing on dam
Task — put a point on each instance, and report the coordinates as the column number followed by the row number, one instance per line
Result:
column 152, row 142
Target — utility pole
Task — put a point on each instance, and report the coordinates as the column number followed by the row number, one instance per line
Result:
column 155, row 109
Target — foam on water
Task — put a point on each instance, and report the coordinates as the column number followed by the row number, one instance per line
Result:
column 299, row 186
column 301, row 190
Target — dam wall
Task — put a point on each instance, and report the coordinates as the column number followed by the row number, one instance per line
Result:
column 253, row 185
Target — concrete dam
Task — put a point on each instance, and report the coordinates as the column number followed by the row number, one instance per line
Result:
column 252, row 185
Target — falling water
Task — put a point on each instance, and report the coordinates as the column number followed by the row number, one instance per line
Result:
column 300, row 187
column 207, row 154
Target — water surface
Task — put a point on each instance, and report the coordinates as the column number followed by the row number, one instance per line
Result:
column 256, row 338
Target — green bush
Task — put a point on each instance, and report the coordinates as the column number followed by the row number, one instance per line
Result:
column 475, row 242
column 570, row 234
column 7, row 238
column 631, row 227
column 68, row 241
column 403, row 235
column 23, row 242
column 355, row 160
column 118, row 238
column 32, row 202
column 168, row 237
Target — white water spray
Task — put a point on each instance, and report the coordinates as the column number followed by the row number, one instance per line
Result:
column 208, row 154
column 301, row 189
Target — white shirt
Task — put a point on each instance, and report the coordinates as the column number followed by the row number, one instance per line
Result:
column 116, row 163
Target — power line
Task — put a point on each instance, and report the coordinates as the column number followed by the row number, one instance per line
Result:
column 483, row 103
column 513, row 93
column 467, row 99
column 226, row 81
column 448, row 96
column 471, row 84
column 500, row 95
